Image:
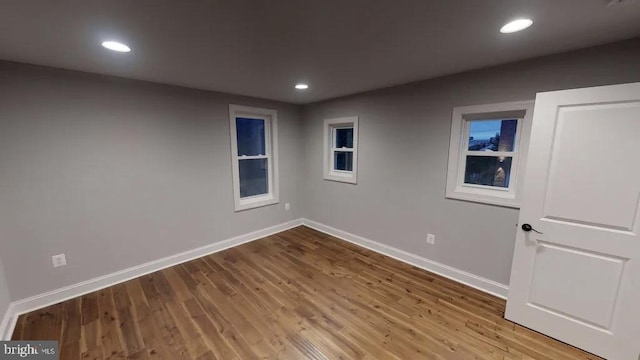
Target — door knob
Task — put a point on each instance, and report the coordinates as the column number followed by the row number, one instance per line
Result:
column 528, row 227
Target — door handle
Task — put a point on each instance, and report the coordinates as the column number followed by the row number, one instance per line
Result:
column 528, row 227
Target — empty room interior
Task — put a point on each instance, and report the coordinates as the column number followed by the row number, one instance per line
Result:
column 353, row 179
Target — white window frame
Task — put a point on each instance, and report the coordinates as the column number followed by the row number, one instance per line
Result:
column 270, row 118
column 330, row 126
column 459, row 149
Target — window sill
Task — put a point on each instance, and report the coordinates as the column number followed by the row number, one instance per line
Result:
column 349, row 178
column 255, row 202
column 506, row 201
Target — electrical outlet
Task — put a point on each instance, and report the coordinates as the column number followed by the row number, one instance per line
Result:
column 287, row 207
column 59, row 260
column 431, row 239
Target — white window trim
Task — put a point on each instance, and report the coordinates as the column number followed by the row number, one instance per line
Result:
column 270, row 118
column 329, row 128
column 458, row 148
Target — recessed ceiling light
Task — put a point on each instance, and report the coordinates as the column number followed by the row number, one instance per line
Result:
column 116, row 46
column 302, row 86
column 516, row 25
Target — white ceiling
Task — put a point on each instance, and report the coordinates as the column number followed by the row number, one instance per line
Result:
column 263, row 47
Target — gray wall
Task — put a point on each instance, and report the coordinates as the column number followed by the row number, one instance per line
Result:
column 115, row 173
column 5, row 299
column 404, row 143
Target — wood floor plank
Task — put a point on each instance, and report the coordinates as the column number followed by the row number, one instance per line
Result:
column 299, row 294
column 110, row 341
column 194, row 342
column 212, row 333
column 128, row 331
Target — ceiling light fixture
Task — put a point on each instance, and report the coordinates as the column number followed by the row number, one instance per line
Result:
column 516, row 25
column 302, row 86
column 116, row 46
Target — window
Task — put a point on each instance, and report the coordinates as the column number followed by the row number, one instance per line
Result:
column 487, row 152
column 341, row 149
column 254, row 156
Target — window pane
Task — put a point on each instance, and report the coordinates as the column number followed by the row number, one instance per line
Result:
column 253, row 177
column 343, row 160
column 344, row 138
column 492, row 135
column 488, row 170
column 251, row 137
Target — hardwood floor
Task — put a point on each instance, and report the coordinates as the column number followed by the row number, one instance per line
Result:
column 299, row 294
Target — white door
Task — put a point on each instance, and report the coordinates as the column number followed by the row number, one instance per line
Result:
column 578, row 280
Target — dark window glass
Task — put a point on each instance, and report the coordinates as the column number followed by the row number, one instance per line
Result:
column 344, row 138
column 488, row 170
column 253, row 177
column 250, row 136
column 343, row 160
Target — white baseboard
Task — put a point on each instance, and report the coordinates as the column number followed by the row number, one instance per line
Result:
column 7, row 324
column 477, row 282
column 19, row 307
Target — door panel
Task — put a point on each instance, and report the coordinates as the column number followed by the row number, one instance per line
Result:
column 579, row 279
column 586, row 294
column 592, row 142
